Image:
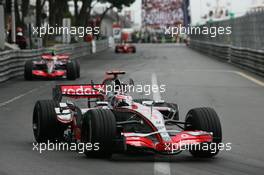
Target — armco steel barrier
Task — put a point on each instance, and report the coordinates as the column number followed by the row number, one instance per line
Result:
column 12, row 61
column 249, row 59
column 218, row 50
column 252, row 60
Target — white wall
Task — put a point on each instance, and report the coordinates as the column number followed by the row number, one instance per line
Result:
column 199, row 8
column 106, row 27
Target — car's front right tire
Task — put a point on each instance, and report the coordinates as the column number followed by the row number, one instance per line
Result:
column 28, row 70
column 46, row 126
column 77, row 68
column 134, row 50
column 71, row 71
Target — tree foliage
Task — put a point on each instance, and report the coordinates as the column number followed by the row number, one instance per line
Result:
column 119, row 4
column 24, row 11
column 59, row 9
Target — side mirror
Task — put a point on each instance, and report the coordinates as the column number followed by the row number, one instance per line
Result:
column 92, row 83
column 131, row 82
column 148, row 103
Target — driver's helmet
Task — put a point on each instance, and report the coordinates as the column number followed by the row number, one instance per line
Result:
column 117, row 84
column 123, row 100
column 113, row 86
column 53, row 52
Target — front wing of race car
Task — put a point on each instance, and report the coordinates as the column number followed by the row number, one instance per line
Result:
column 179, row 141
column 45, row 74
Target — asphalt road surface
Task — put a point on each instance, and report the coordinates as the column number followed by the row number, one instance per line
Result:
column 191, row 79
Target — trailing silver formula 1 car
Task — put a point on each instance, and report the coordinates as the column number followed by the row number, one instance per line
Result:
column 52, row 65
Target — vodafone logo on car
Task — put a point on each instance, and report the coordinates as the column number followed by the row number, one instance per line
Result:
column 80, row 90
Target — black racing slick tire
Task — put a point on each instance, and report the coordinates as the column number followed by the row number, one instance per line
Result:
column 46, row 126
column 134, row 50
column 71, row 71
column 116, row 50
column 205, row 119
column 99, row 127
column 28, row 70
column 77, row 66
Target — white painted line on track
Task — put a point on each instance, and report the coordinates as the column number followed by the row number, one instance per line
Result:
column 254, row 80
column 160, row 168
column 17, row 97
column 156, row 94
column 244, row 75
column 20, row 96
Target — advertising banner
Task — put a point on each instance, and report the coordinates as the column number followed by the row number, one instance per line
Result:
column 160, row 13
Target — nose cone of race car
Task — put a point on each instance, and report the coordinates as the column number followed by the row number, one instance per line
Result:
column 50, row 67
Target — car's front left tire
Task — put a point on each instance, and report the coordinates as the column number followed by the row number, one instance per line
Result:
column 99, row 127
column 205, row 119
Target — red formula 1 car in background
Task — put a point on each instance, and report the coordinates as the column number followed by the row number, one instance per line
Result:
column 120, row 124
column 52, row 65
column 125, row 48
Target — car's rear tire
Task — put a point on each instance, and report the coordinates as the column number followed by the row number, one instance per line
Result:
column 71, row 71
column 99, row 127
column 28, row 70
column 45, row 124
column 205, row 119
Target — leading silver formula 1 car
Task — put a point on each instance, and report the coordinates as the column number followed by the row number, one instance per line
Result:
column 119, row 123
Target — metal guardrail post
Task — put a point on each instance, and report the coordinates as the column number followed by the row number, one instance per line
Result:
column 2, row 27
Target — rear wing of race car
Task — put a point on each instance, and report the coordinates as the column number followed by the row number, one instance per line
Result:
column 48, row 56
column 77, row 91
